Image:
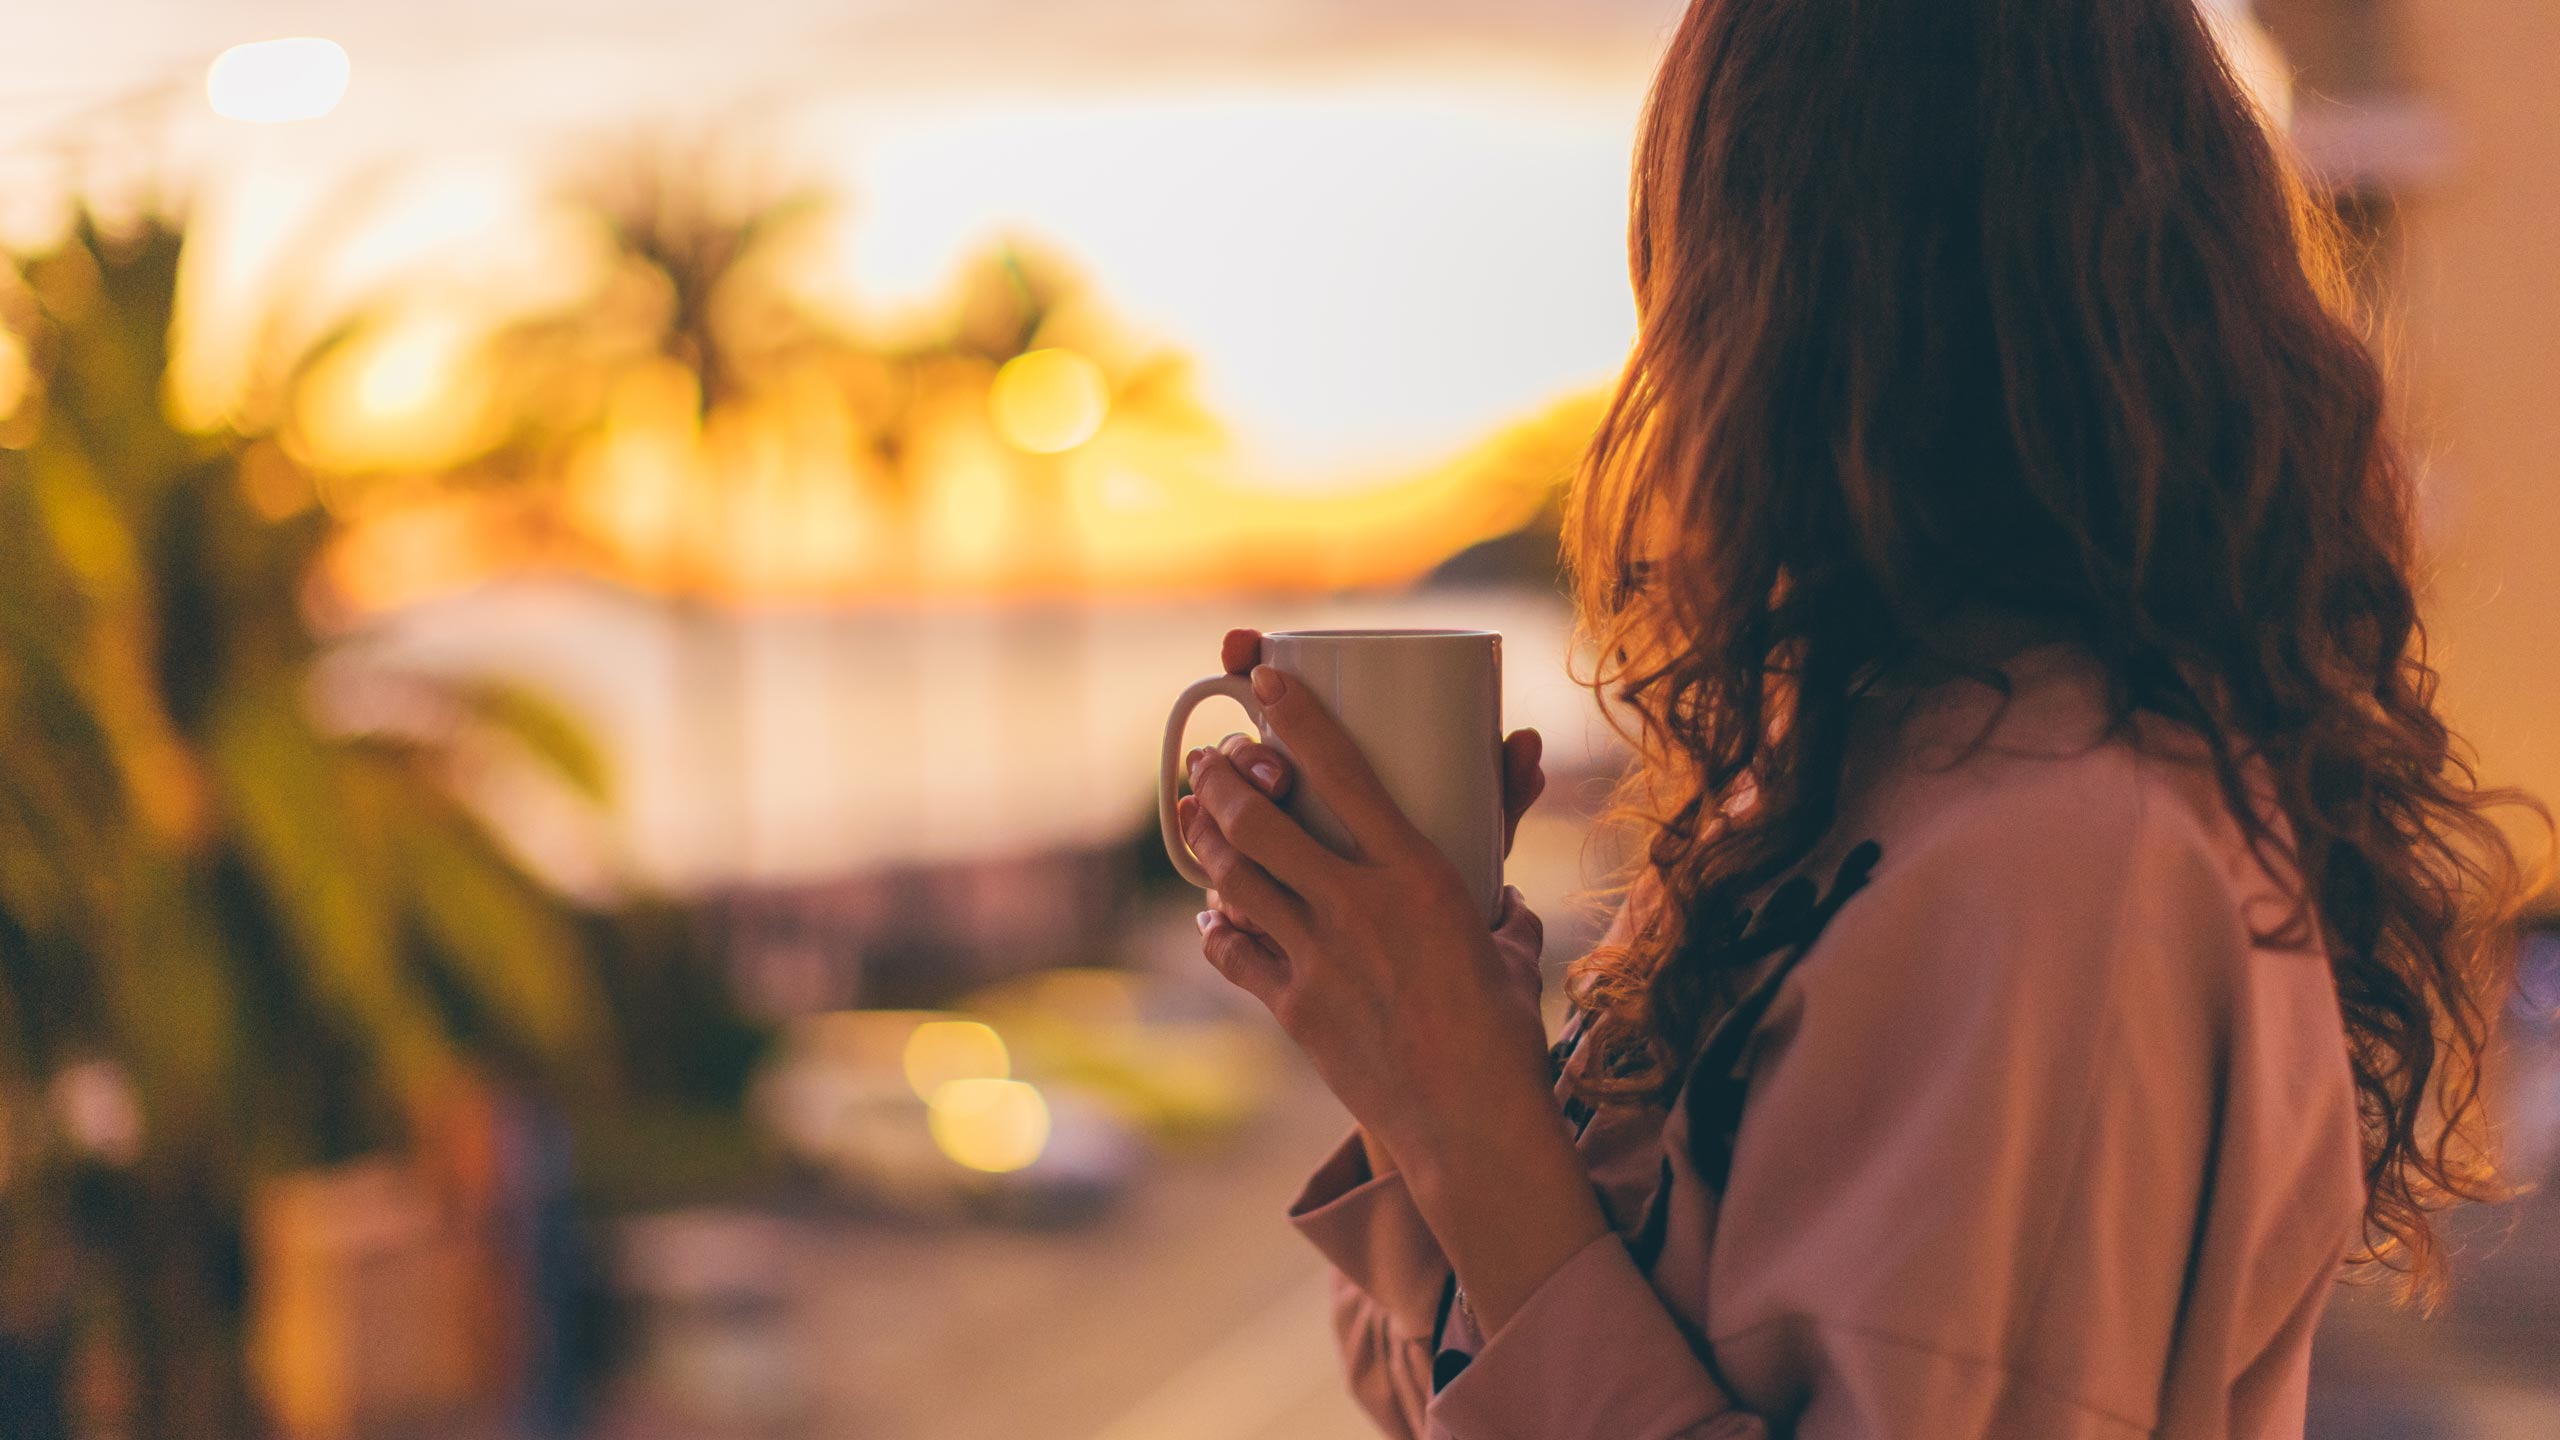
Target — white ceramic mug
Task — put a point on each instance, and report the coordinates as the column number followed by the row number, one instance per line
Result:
column 1425, row 707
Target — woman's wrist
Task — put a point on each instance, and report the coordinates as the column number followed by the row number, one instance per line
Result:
column 1484, row 1101
column 1496, row 1134
column 1509, row 1200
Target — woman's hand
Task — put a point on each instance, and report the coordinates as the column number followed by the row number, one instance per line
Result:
column 1522, row 779
column 1379, row 967
column 1382, row 942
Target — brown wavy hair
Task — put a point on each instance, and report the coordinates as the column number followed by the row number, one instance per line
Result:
column 1951, row 306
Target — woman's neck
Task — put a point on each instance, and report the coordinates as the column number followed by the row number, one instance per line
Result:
column 1964, row 642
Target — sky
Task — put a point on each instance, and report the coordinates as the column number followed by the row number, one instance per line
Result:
column 1383, row 227
column 70, row 53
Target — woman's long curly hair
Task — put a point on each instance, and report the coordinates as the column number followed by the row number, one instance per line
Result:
column 2008, row 305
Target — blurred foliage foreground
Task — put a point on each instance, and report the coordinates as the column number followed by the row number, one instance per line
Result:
column 290, row 1049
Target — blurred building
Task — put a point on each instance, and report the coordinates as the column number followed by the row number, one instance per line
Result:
column 2439, row 125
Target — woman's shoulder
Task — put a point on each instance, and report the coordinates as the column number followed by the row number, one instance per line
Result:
column 2040, row 912
column 2042, row 786
column 2032, row 843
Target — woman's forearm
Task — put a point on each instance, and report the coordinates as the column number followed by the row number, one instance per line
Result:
column 1509, row 1201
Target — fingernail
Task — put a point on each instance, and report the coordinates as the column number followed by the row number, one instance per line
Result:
column 1268, row 687
column 1268, row 773
column 1205, row 919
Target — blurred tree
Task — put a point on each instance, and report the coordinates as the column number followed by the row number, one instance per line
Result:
column 234, row 942
column 690, row 420
column 691, row 423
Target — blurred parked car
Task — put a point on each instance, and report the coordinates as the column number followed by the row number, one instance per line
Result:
column 918, row 1111
column 1165, row 1057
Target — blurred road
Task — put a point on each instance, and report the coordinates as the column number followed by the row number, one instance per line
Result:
column 1188, row 1312
column 2486, row 1368
column 1192, row 1313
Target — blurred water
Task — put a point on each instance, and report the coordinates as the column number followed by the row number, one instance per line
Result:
column 781, row 745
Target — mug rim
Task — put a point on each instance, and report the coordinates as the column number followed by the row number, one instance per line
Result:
column 1383, row 634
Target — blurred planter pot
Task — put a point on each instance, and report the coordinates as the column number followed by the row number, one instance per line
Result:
column 363, row 1299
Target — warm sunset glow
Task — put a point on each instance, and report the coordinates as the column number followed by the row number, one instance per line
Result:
column 943, row 1051
column 1347, row 342
column 1350, row 325
column 275, row 81
column 995, row 1126
column 1368, row 278
column 968, row 528
column 1049, row 401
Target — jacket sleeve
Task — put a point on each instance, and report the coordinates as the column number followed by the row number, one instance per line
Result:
column 1389, row 1281
column 1969, row 1161
column 1592, row 1355
column 1390, row 1278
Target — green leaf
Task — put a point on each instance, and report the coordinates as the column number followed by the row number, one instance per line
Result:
column 168, row 979
column 508, row 944
column 553, row 735
column 328, row 873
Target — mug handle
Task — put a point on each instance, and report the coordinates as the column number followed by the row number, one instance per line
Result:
column 1169, row 779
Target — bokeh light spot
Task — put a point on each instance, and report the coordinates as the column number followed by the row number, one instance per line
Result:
column 14, row 373
column 994, row 1126
column 404, row 375
column 942, row 1051
column 1049, row 401
column 270, row 82
column 404, row 395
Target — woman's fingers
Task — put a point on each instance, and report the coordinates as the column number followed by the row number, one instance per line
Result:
column 1262, row 831
column 1238, row 918
column 1275, row 911
column 1267, row 768
column 1241, row 651
column 1522, row 781
column 1520, row 939
column 1246, row 960
column 1520, row 925
column 1328, row 760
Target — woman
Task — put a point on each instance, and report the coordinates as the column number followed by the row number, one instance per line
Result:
column 2064, row 933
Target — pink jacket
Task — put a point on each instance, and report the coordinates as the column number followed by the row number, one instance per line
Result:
column 2022, row 1135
